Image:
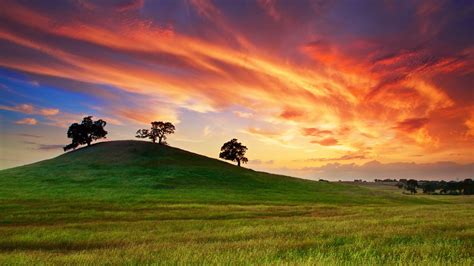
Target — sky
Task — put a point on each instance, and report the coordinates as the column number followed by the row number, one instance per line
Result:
column 315, row 89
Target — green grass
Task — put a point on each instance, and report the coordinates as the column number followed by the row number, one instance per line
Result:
column 134, row 202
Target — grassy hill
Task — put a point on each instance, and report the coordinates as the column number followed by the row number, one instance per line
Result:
column 143, row 171
column 131, row 202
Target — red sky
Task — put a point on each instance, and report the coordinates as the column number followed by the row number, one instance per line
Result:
column 320, row 89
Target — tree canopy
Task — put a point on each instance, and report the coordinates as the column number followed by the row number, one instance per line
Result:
column 158, row 131
column 86, row 132
column 465, row 187
column 411, row 186
column 234, row 151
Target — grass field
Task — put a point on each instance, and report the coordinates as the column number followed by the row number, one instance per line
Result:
column 134, row 202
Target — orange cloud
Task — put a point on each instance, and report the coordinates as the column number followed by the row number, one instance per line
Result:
column 470, row 125
column 22, row 108
column 27, row 121
column 315, row 132
column 263, row 132
column 49, row 111
column 292, row 114
column 146, row 115
column 411, row 124
column 30, row 109
column 345, row 157
column 326, row 142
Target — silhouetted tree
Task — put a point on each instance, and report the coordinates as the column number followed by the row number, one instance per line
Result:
column 429, row 187
column 452, row 187
column 443, row 185
column 468, row 187
column 85, row 132
column 158, row 130
column 402, row 183
column 465, row 187
column 411, row 186
column 234, row 151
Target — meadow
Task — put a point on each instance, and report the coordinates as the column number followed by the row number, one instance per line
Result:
column 135, row 202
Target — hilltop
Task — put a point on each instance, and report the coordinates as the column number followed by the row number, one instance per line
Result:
column 143, row 171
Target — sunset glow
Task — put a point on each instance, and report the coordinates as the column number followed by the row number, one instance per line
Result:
column 315, row 89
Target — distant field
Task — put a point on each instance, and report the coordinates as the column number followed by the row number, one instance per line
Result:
column 129, row 202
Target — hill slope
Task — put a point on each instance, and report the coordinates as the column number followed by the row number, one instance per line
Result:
column 140, row 171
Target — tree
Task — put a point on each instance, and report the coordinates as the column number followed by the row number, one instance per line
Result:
column 234, row 151
column 443, row 185
column 453, row 188
column 411, row 186
column 158, row 130
column 465, row 187
column 402, row 183
column 86, row 132
column 429, row 187
column 468, row 187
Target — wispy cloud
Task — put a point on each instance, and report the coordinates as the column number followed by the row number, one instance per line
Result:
column 44, row 147
column 29, row 135
column 243, row 114
column 30, row 109
column 27, row 121
column 345, row 157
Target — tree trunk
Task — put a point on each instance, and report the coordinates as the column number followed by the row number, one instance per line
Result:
column 159, row 140
column 238, row 162
column 88, row 143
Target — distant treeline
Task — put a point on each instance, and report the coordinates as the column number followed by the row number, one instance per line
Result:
column 386, row 180
column 465, row 187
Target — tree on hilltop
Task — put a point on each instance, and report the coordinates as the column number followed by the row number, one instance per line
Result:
column 86, row 132
column 158, row 131
column 234, row 151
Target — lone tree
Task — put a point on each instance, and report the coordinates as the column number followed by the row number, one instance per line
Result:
column 158, row 130
column 234, row 151
column 85, row 132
